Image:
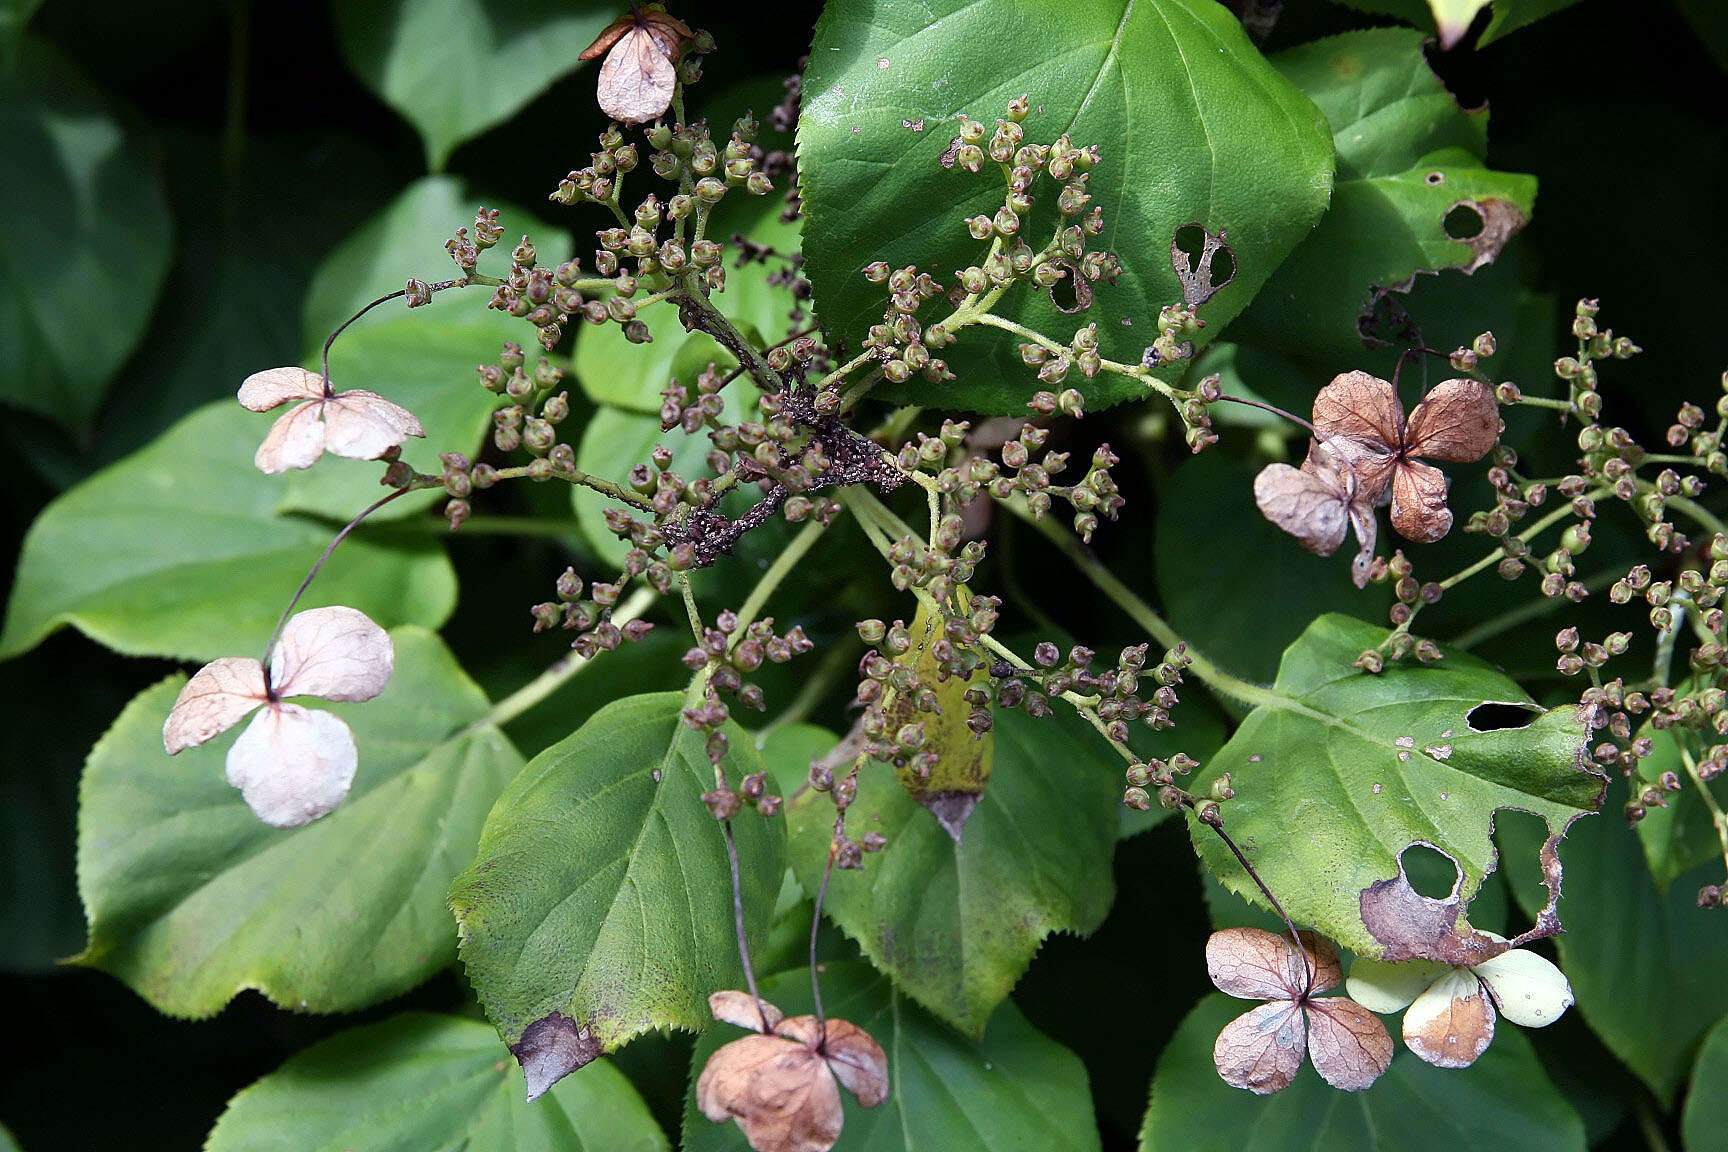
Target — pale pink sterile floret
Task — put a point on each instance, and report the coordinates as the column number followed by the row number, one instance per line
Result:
column 357, row 424
column 292, row 764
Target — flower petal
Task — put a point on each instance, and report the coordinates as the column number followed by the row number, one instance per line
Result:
column 1458, row 420
column 337, row 653
column 265, row 390
column 1452, row 1023
column 213, row 701
column 744, row 1010
column 780, row 1092
column 1528, row 989
column 1254, row 964
column 636, row 79
column 1349, row 1045
column 362, row 425
column 857, row 1061
column 1361, row 407
column 1310, row 507
column 1261, row 1050
column 1419, row 509
column 1382, row 987
column 292, row 764
column 296, row 440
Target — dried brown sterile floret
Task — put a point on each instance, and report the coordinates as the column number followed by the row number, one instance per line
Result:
column 638, row 75
column 1317, row 502
column 1262, row 1049
column 358, row 424
column 780, row 1085
column 1459, row 420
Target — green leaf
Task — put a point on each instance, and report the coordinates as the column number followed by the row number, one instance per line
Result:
column 1408, row 156
column 955, row 923
column 1451, row 19
column 1013, row 1087
column 179, row 551
column 191, row 899
column 419, row 1081
column 615, row 372
column 454, row 68
column 79, row 281
column 407, row 239
column 1678, row 836
column 1217, row 138
column 1704, row 1123
column 600, row 896
column 1645, row 966
column 1338, row 772
column 1504, row 1100
column 1211, row 498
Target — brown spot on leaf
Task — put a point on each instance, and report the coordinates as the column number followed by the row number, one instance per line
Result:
column 1496, row 221
column 551, row 1048
column 951, row 809
column 1411, row 926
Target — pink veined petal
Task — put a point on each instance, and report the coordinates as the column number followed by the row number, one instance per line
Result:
column 264, row 390
column 337, row 653
column 292, row 764
column 1261, row 1050
column 1254, row 964
column 213, row 701
column 362, row 425
column 296, row 440
column 636, row 79
column 1452, row 1023
column 744, row 1010
column 1348, row 1044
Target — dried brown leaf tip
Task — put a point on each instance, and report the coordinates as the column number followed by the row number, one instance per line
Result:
column 1318, row 501
column 1459, row 421
column 1262, row 1049
column 780, row 1084
column 638, row 76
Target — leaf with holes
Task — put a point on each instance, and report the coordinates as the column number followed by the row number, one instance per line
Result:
column 424, row 1081
column 1412, row 196
column 1612, row 901
column 956, row 921
column 180, row 550
column 599, row 905
column 1013, row 1087
column 1338, row 772
column 191, row 899
column 1220, row 140
column 94, row 228
column 454, row 68
column 1504, row 1100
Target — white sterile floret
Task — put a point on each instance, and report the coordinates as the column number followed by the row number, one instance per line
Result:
column 357, row 424
column 1452, row 1010
column 292, row 764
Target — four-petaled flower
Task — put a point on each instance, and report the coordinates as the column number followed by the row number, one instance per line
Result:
column 1262, row 1049
column 638, row 76
column 779, row 1084
column 292, row 764
column 1451, row 1014
column 357, row 424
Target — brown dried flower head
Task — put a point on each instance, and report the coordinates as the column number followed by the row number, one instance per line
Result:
column 1458, row 420
column 637, row 78
column 1318, row 501
column 1262, row 1049
column 358, row 424
column 780, row 1084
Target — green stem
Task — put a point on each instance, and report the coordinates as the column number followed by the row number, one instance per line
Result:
column 1523, row 613
column 1699, row 514
column 788, row 559
column 1718, row 820
column 1545, row 402
column 600, row 484
column 561, row 671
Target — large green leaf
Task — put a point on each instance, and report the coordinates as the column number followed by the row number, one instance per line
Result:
column 179, row 551
column 1502, row 1101
column 1407, row 157
column 956, row 923
column 614, row 371
column 419, row 1082
column 1193, row 124
column 1338, row 772
column 454, row 68
column 1012, row 1088
column 1704, row 1124
column 191, row 899
column 80, row 274
column 1211, row 498
column 599, row 905
column 1622, row 933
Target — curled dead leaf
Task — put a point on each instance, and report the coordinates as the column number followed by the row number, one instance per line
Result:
column 782, row 1086
column 639, row 74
